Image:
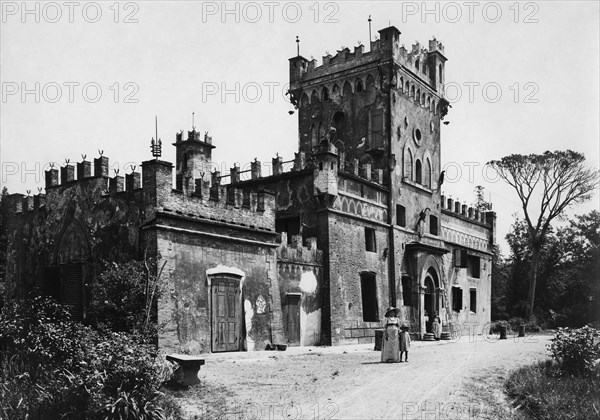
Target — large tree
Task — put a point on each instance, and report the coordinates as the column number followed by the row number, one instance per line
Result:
column 546, row 185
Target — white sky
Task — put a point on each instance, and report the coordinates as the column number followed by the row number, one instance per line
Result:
column 547, row 52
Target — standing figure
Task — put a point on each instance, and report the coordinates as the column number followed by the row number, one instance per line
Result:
column 390, row 345
column 436, row 326
column 404, row 342
column 427, row 325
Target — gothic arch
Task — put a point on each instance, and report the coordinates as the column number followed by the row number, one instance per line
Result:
column 304, row 101
column 324, row 94
column 347, row 89
column 314, row 135
column 73, row 243
column 431, row 267
column 314, row 97
column 418, row 172
column 335, row 92
column 408, row 163
column 358, row 86
column 345, row 205
column 370, row 82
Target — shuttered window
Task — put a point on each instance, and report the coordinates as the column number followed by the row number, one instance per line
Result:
column 72, row 279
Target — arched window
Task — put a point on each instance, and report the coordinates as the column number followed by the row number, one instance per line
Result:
column 402, row 84
column 304, row 100
column 370, row 82
column 412, row 91
column 418, row 96
column 418, row 171
column 359, row 86
column 441, row 74
column 423, row 99
column 406, row 87
column 314, row 97
column 417, row 64
column 408, row 165
column 427, row 179
column 325, row 94
column 347, row 89
column 314, row 135
column 339, row 118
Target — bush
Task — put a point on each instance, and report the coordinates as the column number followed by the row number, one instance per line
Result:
column 545, row 393
column 575, row 350
column 495, row 326
column 54, row 368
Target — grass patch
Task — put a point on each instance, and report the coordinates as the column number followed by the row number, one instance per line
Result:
column 542, row 392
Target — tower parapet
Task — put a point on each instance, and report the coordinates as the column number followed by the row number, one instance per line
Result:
column 426, row 64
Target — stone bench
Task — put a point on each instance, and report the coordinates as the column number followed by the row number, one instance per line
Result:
column 189, row 365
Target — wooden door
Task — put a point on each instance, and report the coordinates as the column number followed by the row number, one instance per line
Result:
column 226, row 315
column 293, row 319
column 73, row 295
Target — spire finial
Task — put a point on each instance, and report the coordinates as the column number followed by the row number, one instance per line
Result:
column 193, row 124
column 297, row 45
column 369, row 31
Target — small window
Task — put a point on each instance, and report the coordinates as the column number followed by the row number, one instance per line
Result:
column 460, row 258
column 406, row 291
column 290, row 225
column 456, row 299
column 400, row 215
column 418, row 172
column 433, row 225
column 368, row 290
column 474, row 266
column 473, row 300
column 370, row 242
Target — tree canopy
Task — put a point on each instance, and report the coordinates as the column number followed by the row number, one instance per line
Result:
column 546, row 185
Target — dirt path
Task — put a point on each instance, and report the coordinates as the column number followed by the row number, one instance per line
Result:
column 442, row 380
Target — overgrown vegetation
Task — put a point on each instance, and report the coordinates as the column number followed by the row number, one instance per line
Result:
column 51, row 367
column 567, row 276
column 568, row 385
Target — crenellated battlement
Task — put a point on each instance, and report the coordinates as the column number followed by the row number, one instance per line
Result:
column 464, row 211
column 296, row 251
column 426, row 63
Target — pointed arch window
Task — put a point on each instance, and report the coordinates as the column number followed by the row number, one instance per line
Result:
column 418, row 172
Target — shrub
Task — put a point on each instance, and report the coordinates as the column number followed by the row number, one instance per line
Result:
column 545, row 393
column 495, row 326
column 54, row 368
column 575, row 350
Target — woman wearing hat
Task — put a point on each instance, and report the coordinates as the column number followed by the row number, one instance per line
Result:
column 391, row 345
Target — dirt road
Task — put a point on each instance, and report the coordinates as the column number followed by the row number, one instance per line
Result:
column 442, row 380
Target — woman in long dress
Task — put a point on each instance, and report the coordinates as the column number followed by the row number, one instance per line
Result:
column 391, row 344
column 436, row 326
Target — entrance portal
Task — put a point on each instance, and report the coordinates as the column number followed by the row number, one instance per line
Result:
column 292, row 321
column 429, row 301
column 226, row 314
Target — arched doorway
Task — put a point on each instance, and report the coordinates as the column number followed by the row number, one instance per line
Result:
column 431, row 297
column 429, row 301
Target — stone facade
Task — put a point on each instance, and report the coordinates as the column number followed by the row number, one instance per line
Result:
column 310, row 255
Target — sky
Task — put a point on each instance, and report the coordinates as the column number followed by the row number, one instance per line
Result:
column 79, row 78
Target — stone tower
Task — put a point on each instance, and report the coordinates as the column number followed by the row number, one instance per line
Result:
column 193, row 159
column 386, row 106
